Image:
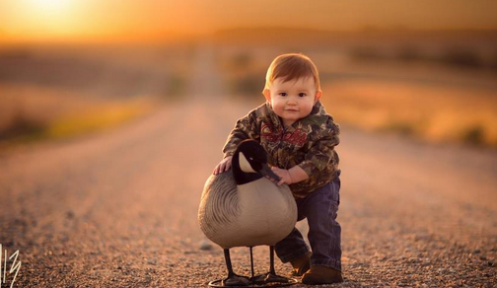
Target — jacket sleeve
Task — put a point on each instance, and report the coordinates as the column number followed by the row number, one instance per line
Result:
column 322, row 156
column 246, row 127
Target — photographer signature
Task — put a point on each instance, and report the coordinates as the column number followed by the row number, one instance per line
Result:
column 15, row 266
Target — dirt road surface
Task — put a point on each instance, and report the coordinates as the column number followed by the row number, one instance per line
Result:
column 120, row 209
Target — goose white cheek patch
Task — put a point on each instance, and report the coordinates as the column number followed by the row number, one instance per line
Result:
column 245, row 165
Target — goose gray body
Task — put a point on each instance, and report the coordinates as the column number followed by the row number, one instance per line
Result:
column 251, row 214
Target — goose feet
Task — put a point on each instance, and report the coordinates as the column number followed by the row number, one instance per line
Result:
column 268, row 278
column 236, row 280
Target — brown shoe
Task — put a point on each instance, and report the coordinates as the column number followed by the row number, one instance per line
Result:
column 301, row 264
column 319, row 274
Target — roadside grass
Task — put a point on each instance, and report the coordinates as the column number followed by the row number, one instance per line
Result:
column 31, row 114
column 104, row 116
column 435, row 114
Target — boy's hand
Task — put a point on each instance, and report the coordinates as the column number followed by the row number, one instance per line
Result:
column 223, row 166
column 283, row 174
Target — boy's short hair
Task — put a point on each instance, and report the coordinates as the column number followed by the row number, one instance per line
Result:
column 292, row 66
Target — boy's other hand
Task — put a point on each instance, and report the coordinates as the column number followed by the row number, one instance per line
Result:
column 223, row 166
column 283, row 174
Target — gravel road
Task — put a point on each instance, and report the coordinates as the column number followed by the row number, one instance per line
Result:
column 120, row 209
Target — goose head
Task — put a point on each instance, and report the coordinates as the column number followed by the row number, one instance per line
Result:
column 250, row 163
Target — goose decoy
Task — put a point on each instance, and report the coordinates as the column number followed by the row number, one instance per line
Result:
column 243, row 208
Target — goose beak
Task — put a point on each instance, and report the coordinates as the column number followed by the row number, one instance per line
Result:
column 268, row 173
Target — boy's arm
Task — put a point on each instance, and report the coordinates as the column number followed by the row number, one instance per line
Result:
column 322, row 152
column 290, row 176
column 245, row 128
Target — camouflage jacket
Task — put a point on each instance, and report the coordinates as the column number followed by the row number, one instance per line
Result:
column 309, row 143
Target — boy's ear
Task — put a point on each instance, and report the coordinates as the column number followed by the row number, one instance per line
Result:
column 318, row 96
column 267, row 94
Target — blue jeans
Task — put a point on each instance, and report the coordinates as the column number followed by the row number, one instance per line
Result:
column 320, row 208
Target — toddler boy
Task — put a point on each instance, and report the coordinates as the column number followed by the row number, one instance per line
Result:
column 299, row 137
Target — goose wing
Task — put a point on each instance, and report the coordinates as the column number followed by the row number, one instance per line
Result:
column 219, row 204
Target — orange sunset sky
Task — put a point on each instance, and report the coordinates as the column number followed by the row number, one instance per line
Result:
column 83, row 20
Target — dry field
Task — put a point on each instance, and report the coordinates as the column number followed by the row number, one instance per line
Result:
column 435, row 114
column 434, row 103
column 38, row 113
column 52, row 93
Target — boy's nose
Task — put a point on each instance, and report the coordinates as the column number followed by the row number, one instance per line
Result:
column 291, row 101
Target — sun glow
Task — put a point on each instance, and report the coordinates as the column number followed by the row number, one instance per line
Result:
column 102, row 20
column 49, row 6
column 46, row 19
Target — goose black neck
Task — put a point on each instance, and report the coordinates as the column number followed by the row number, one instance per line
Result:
column 240, row 176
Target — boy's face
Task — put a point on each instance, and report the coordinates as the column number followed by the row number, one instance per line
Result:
column 294, row 99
